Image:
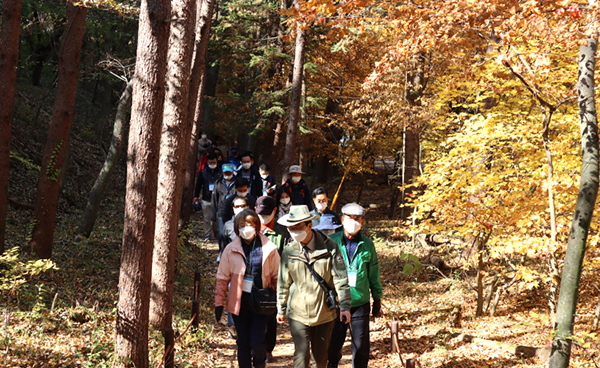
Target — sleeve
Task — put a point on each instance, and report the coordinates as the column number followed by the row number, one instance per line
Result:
column 283, row 284
column 223, row 278
column 213, row 204
column 374, row 276
column 199, row 183
column 340, row 277
column 226, row 209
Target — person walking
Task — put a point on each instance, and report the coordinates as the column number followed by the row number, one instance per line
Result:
column 284, row 201
column 249, row 170
column 205, row 185
column 250, row 260
column 321, row 202
column 312, row 264
column 265, row 209
column 298, row 188
column 362, row 266
column 224, row 187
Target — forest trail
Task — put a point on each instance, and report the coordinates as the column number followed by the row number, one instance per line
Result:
column 224, row 348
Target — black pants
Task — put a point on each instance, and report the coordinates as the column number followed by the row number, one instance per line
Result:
column 359, row 333
column 250, row 328
column 271, row 337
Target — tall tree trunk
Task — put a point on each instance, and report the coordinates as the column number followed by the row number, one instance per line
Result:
column 292, row 128
column 196, row 96
column 114, row 152
column 58, row 132
column 173, row 156
column 9, row 57
column 131, row 347
column 415, row 84
column 588, row 190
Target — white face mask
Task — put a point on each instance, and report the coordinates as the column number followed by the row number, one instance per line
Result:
column 298, row 236
column 285, row 200
column 321, row 206
column 265, row 176
column 237, row 210
column 242, row 194
column 296, row 179
column 227, row 177
column 246, row 165
column 203, row 136
column 351, row 226
column 266, row 219
column 247, row 232
column 212, row 167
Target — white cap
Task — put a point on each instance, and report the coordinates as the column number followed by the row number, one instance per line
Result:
column 353, row 209
column 295, row 169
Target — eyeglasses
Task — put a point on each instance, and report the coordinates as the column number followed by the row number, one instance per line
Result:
column 241, row 206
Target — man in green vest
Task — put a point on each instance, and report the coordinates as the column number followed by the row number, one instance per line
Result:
column 362, row 267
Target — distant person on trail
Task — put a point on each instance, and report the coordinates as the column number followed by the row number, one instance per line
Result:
column 224, row 187
column 250, row 260
column 321, row 201
column 204, row 158
column 265, row 209
column 362, row 265
column 239, row 204
column 205, row 184
column 313, row 265
column 284, row 201
column 268, row 183
column 249, row 171
column 234, row 159
column 203, row 144
column 219, row 155
column 241, row 190
column 298, row 188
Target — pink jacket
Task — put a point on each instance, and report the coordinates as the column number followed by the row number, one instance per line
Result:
column 233, row 267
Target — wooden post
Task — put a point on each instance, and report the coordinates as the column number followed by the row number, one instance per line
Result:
column 394, row 338
column 169, row 348
column 196, row 284
column 410, row 363
column 195, row 309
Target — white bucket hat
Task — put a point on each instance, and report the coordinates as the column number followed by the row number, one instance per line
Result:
column 298, row 214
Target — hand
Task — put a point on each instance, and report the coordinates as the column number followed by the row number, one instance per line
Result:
column 345, row 316
column 280, row 318
column 376, row 307
column 218, row 313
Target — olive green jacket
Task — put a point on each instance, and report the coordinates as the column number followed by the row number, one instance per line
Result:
column 307, row 300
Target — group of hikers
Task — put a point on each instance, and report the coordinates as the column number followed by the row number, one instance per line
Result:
column 285, row 255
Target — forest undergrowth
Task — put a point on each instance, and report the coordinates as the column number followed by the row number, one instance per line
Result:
column 66, row 316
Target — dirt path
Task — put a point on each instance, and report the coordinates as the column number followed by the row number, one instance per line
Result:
column 225, row 350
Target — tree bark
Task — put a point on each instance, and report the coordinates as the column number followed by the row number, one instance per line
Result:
column 58, row 132
column 292, row 128
column 9, row 58
column 174, row 143
column 196, row 96
column 114, row 153
column 588, row 190
column 131, row 347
